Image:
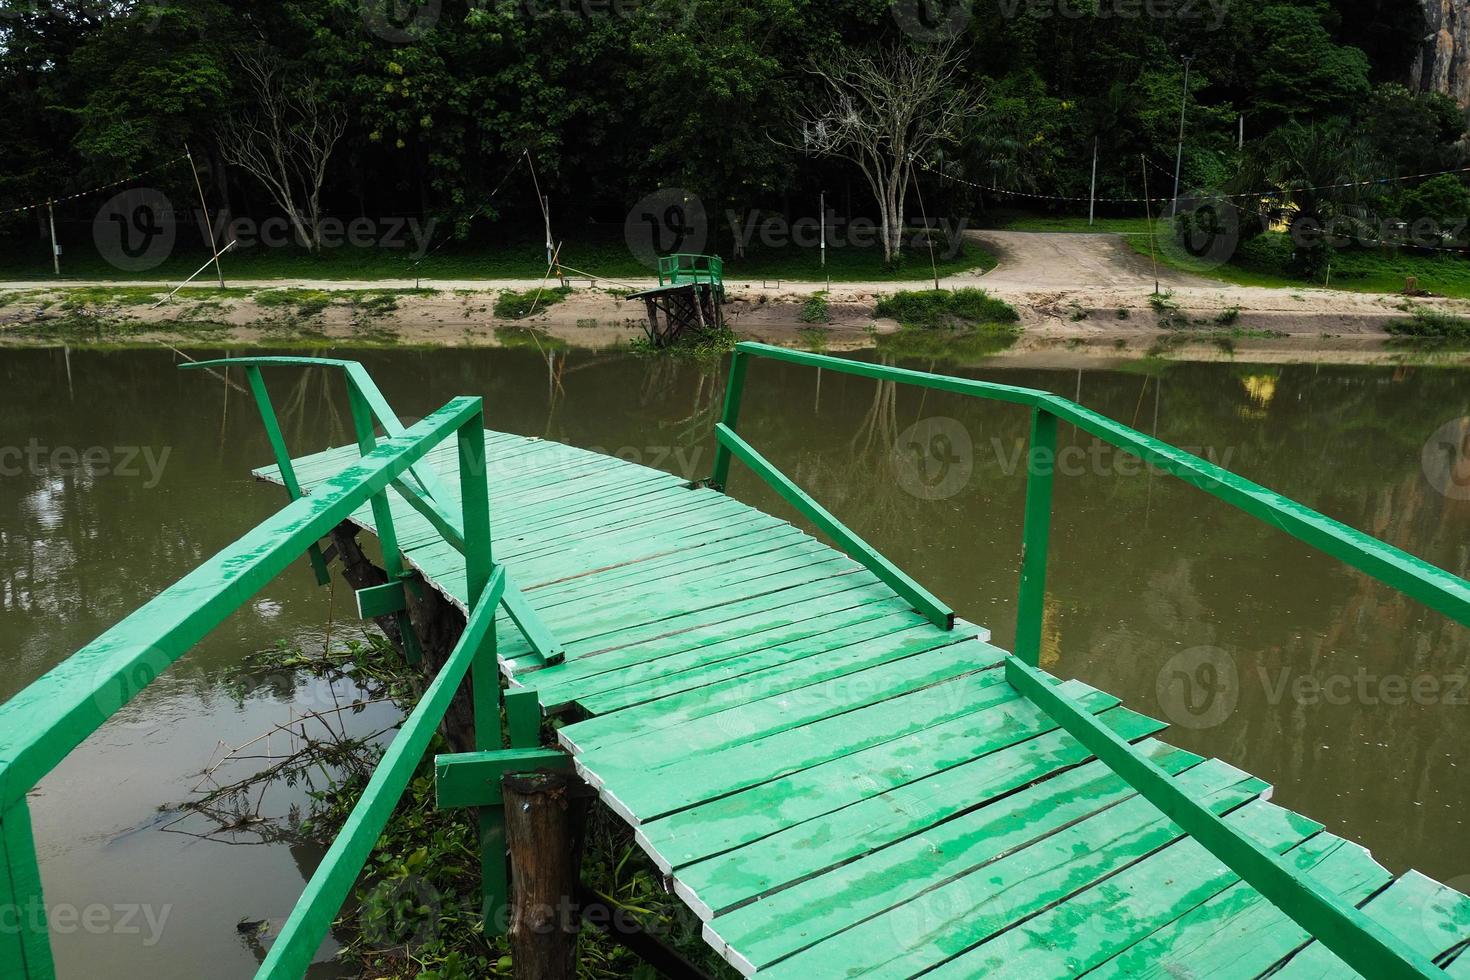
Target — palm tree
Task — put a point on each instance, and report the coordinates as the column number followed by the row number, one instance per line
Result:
column 1317, row 177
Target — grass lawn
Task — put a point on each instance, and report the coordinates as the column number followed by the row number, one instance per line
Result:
column 1009, row 220
column 601, row 255
column 1262, row 262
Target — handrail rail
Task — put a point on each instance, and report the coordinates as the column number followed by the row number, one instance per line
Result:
column 428, row 499
column 1360, row 941
column 1431, row 585
column 41, row 724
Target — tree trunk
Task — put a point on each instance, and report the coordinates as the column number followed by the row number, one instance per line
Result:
column 545, row 825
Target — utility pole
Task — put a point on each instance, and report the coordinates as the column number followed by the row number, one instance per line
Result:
column 546, row 213
column 1148, row 212
column 1179, row 154
column 1092, row 194
column 55, row 245
column 1240, row 142
column 822, row 208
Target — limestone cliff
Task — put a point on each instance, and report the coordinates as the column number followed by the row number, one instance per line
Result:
column 1441, row 64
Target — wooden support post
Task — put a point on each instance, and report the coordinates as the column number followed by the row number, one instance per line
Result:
column 545, row 824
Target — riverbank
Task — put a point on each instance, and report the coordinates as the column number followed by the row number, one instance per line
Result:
column 1058, row 325
column 1079, row 297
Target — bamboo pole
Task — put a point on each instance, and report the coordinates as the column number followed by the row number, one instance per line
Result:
column 209, row 225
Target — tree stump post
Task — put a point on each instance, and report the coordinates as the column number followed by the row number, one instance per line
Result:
column 545, row 827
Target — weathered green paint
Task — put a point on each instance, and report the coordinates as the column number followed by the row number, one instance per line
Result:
column 272, row 426
column 44, row 722
column 25, row 946
column 937, row 612
column 1036, row 536
column 473, row 778
column 730, row 416
column 523, row 719
column 815, row 764
column 381, row 600
column 1361, row 942
column 296, row 944
column 1413, row 576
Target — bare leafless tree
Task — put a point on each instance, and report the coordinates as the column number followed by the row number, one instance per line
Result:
column 883, row 111
column 285, row 140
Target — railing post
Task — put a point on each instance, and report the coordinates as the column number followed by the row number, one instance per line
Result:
column 283, row 459
column 367, row 441
column 734, row 388
column 25, row 944
column 1041, row 460
column 474, row 491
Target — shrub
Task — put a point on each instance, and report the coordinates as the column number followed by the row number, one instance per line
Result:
column 950, row 309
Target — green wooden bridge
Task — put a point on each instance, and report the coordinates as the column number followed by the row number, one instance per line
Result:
column 837, row 774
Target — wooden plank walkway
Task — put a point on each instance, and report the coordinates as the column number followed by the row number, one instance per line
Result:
column 836, row 786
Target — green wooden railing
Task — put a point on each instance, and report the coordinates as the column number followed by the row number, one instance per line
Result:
column 43, row 723
column 688, row 267
column 1361, row 942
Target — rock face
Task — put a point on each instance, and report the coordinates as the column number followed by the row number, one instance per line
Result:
column 1443, row 61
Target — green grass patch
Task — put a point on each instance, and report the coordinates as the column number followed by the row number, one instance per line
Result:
column 932, row 309
column 83, row 297
column 602, row 251
column 1008, row 219
column 816, row 310
column 302, row 302
column 511, row 305
column 1431, row 324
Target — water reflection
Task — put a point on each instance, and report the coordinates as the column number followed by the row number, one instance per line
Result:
column 1256, row 648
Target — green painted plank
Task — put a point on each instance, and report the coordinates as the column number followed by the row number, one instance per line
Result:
column 610, row 674
column 713, row 624
column 723, row 881
column 1092, row 925
column 641, row 796
column 1001, row 821
column 708, row 553
column 649, row 614
column 638, row 604
column 876, row 670
column 770, row 808
column 1238, row 934
column 701, row 691
column 1431, row 918
column 983, row 901
column 1340, row 926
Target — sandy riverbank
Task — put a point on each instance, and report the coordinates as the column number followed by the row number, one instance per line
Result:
column 1080, row 297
